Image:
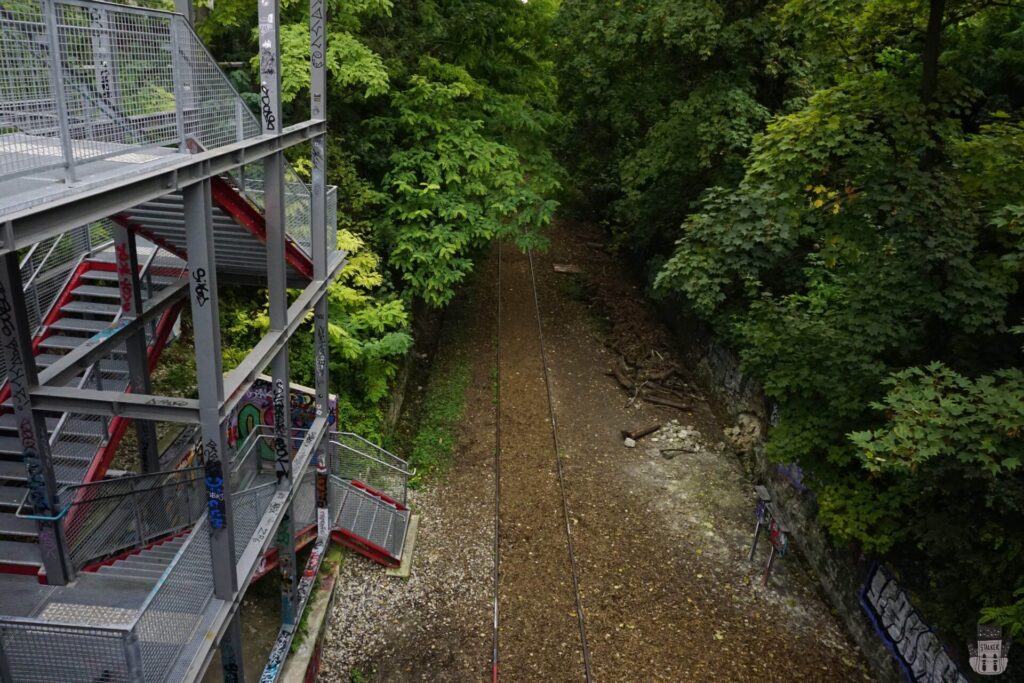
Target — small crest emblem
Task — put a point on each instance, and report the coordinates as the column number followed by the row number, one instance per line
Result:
column 988, row 655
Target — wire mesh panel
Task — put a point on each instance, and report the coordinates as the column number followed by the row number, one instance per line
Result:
column 173, row 609
column 354, row 458
column 28, row 113
column 83, row 81
column 214, row 113
column 118, row 76
column 305, row 500
column 44, row 653
column 297, row 200
column 117, row 514
column 248, row 507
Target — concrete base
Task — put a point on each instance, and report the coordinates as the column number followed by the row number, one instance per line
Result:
column 303, row 665
column 405, row 568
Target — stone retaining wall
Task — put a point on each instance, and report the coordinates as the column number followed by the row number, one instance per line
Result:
column 841, row 573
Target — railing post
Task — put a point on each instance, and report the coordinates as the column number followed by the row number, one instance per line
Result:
column 133, row 657
column 49, row 8
column 178, row 74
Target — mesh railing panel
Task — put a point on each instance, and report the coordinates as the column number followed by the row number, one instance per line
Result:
column 355, row 458
column 174, row 608
column 120, row 83
column 214, row 114
column 28, row 117
column 248, row 507
column 304, row 503
column 117, row 514
column 297, row 200
column 131, row 78
column 40, row 653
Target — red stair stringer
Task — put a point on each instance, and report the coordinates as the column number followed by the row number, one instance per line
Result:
column 361, row 545
column 118, row 425
column 228, row 199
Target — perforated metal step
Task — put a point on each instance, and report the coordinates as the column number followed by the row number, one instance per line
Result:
column 369, row 517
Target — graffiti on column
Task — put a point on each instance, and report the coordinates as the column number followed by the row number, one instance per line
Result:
column 282, row 454
column 320, row 360
column 200, row 287
column 316, row 33
column 37, row 491
column 919, row 651
column 322, row 513
column 124, row 276
column 214, row 485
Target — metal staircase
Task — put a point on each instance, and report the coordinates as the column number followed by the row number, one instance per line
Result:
column 370, row 490
column 83, row 445
column 118, row 114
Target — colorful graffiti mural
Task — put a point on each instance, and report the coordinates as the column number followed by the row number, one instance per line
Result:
column 257, row 408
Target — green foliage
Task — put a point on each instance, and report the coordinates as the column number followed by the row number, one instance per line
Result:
column 452, row 187
column 367, row 330
column 853, row 233
column 433, row 445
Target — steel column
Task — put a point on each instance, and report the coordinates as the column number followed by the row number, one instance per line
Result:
column 206, row 327
column 16, row 339
column 130, row 285
column 231, row 651
column 274, row 214
column 320, row 249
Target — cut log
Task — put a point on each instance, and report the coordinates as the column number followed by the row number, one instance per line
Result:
column 658, row 400
column 641, row 433
column 566, row 268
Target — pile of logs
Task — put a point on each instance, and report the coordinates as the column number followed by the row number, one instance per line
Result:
column 661, row 387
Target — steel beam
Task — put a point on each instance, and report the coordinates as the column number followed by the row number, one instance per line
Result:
column 116, row 403
column 103, row 343
column 238, row 380
column 127, row 260
column 16, row 341
column 69, row 209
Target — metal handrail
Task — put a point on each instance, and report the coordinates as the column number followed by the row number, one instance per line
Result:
column 379, row 462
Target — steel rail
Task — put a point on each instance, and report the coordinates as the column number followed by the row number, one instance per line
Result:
column 570, row 548
column 581, row 619
column 497, row 476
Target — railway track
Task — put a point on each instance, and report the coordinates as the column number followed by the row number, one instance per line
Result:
column 556, row 456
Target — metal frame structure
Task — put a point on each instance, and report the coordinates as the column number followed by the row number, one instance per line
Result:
column 96, row 152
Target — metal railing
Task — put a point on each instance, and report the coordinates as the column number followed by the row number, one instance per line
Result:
column 84, row 81
column 110, row 516
column 150, row 641
column 351, row 457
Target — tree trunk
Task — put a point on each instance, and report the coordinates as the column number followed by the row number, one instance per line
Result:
column 932, row 48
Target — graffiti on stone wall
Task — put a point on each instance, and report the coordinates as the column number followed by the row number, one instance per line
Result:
column 918, row 649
